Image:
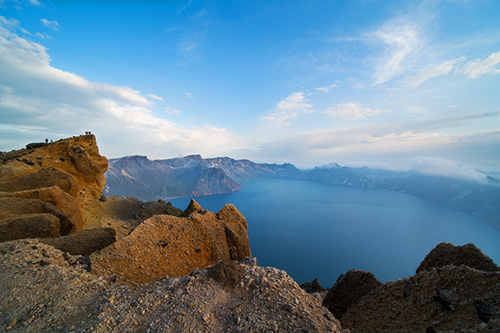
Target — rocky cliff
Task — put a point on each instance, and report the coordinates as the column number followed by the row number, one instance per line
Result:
column 192, row 271
column 455, row 289
column 51, row 188
column 169, row 271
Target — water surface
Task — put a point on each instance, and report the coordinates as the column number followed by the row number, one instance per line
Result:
column 318, row 230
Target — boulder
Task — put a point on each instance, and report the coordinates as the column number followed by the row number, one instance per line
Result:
column 235, row 228
column 12, row 206
column 29, row 226
column 83, row 242
column 175, row 246
column 349, row 290
column 448, row 254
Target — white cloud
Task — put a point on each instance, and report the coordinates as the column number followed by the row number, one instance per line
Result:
column 443, row 167
column 54, row 25
column 435, row 71
column 480, row 67
column 39, row 101
column 324, row 89
column 153, row 96
column 123, row 94
column 402, row 40
column 44, row 35
column 172, row 111
column 352, row 111
column 189, row 95
column 288, row 108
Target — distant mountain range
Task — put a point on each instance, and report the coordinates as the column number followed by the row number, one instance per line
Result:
column 193, row 175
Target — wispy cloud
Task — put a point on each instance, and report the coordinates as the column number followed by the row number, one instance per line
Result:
column 153, row 96
column 38, row 101
column 188, row 95
column 324, row 89
column 288, row 108
column 54, row 25
column 479, row 67
column 401, row 40
column 352, row 111
column 172, row 111
column 435, row 71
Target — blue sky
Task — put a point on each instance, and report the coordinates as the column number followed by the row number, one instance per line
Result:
column 391, row 84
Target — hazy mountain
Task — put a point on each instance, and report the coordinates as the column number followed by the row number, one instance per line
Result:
column 150, row 180
column 194, row 176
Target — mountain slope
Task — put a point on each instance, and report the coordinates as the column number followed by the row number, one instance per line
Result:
column 194, row 176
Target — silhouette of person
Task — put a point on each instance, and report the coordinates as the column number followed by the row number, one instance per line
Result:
column 46, row 140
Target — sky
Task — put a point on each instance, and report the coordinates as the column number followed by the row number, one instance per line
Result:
column 386, row 84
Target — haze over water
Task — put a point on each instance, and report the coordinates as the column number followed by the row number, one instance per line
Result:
column 317, row 230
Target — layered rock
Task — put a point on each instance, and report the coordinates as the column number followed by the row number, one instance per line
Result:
column 63, row 179
column 174, row 246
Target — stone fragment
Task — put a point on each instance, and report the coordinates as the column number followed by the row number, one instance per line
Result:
column 485, row 311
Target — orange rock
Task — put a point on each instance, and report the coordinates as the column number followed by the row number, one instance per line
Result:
column 54, row 196
column 174, row 246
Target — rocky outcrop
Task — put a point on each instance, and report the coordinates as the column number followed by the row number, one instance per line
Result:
column 64, row 179
column 46, row 177
column 436, row 300
column 45, row 290
column 66, row 203
column 83, row 242
column 448, row 254
column 174, row 246
column 446, row 294
column 29, row 226
column 23, row 211
column 348, row 290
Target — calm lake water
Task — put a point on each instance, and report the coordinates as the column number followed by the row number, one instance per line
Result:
column 318, row 230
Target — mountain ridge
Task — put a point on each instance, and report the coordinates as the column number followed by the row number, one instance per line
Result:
column 187, row 176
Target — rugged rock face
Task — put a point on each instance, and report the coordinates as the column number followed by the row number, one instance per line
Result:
column 448, row 254
column 348, row 290
column 66, row 203
column 64, row 179
column 24, row 211
column 174, row 246
column 440, row 297
column 44, row 290
column 438, row 300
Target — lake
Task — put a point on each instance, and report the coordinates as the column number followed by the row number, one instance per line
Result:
column 319, row 230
